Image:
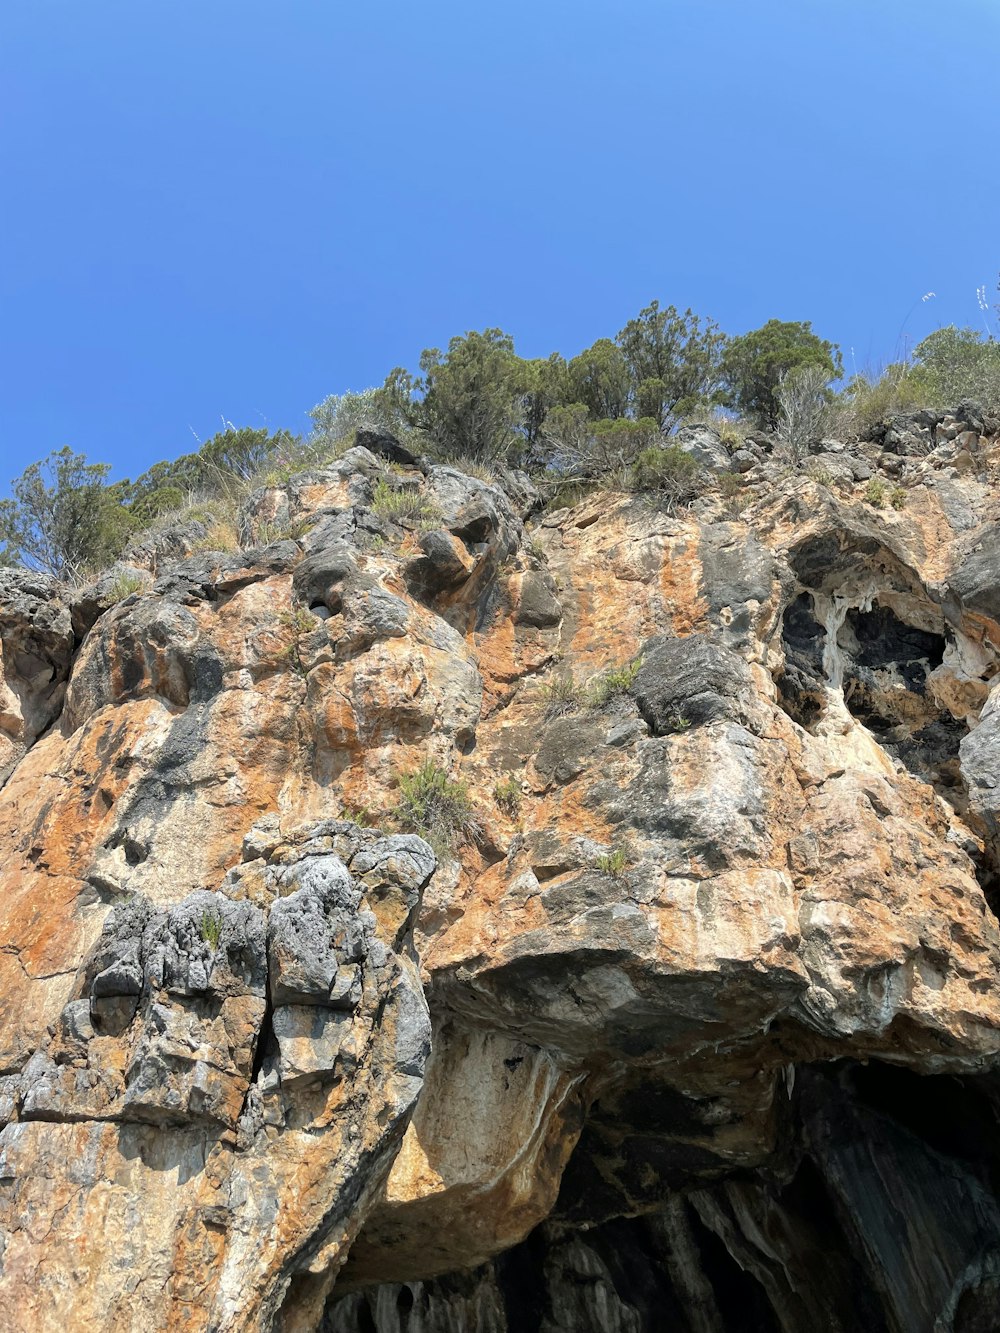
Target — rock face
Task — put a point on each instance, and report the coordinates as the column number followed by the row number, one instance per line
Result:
column 700, row 1029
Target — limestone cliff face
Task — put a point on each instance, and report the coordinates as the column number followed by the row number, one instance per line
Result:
column 702, row 1031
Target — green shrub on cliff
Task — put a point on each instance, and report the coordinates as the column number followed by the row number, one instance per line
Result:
column 437, row 807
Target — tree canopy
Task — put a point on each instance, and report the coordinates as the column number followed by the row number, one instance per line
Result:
column 754, row 365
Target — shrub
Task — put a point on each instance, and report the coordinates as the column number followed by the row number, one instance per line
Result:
column 126, row 584
column 437, row 807
column 264, row 533
column 876, row 493
column 508, row 796
column 221, row 536
column 670, row 472
column 614, row 684
column 338, row 416
column 821, row 475
column 600, row 450
column 803, row 403
column 960, row 365
column 733, row 491
column 870, row 398
column 897, row 497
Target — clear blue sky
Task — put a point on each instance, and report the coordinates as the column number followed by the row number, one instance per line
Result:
column 231, row 208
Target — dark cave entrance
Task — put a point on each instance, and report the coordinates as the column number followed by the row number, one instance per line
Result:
column 802, row 683
column 885, row 664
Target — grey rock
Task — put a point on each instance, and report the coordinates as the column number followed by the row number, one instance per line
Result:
column 440, row 566
column 385, row 445
column 742, row 460
column 36, row 635
column 309, row 1040
column 117, row 584
column 705, row 447
column 538, row 605
column 567, row 748
column 689, row 682
column 975, row 574
column 325, row 574
column 158, row 549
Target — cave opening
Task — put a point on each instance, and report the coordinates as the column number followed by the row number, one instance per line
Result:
column 883, row 663
column 802, row 683
column 741, row 1299
column 886, row 665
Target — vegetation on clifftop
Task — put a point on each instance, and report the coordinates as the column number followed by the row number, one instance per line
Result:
column 604, row 416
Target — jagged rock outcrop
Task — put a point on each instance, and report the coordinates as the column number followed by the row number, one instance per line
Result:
column 703, row 1024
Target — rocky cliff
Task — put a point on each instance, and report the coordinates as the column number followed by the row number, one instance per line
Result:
column 697, row 1028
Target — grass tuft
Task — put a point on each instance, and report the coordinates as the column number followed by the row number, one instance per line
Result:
column 404, row 506
column 437, row 807
column 508, row 797
column 613, row 684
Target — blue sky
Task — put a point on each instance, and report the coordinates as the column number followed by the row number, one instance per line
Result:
column 231, row 208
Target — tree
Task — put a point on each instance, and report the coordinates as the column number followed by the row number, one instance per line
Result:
column 754, row 365
column 599, row 378
column 547, row 387
column 672, row 359
column 959, row 364
column 63, row 518
column 469, row 400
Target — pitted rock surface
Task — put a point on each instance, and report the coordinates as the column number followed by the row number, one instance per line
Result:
column 698, row 1026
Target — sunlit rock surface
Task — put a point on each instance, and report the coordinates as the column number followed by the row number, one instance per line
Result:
column 701, row 1030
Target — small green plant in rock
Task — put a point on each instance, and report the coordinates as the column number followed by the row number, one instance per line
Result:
column 437, row 807
column 508, row 797
column 266, row 533
column 675, row 722
column 362, row 815
column 211, row 928
column 298, row 621
column 821, row 475
column 561, row 696
column 126, row 584
column 404, row 506
column 614, row 684
column 613, row 863
column 876, row 493
column 897, row 497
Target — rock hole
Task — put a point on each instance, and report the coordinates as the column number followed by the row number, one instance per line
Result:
column 801, row 685
column 886, row 664
column 882, row 664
